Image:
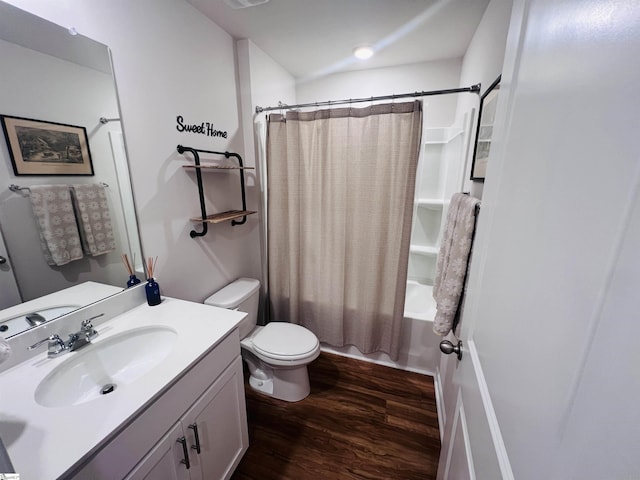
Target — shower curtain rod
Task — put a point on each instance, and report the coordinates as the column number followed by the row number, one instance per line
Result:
column 472, row 89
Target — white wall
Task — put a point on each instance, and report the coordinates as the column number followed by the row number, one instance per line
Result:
column 170, row 60
column 71, row 94
column 263, row 82
column 438, row 111
column 483, row 64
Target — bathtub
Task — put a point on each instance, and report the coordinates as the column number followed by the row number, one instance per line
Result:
column 419, row 346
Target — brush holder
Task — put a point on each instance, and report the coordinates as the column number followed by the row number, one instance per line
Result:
column 152, row 289
column 133, row 280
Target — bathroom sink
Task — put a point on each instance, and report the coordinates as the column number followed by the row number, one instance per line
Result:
column 105, row 366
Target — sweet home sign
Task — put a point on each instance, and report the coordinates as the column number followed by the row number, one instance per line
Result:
column 204, row 128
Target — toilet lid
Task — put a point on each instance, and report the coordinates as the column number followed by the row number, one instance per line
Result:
column 284, row 339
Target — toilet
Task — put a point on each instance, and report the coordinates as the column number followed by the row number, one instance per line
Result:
column 277, row 354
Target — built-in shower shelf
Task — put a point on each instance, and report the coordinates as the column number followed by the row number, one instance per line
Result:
column 422, row 250
column 440, row 136
column 223, row 216
column 216, row 167
column 433, row 203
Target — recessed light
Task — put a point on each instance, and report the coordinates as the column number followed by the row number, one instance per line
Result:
column 363, row 52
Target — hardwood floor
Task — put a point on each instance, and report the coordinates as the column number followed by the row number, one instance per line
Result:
column 361, row 421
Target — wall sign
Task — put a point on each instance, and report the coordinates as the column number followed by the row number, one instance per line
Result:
column 204, row 128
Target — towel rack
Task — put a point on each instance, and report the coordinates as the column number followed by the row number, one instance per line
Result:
column 232, row 215
column 17, row 189
column 477, row 207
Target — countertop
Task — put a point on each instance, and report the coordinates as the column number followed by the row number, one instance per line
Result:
column 44, row 443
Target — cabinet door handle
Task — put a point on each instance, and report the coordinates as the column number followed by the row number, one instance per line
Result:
column 185, row 452
column 196, row 447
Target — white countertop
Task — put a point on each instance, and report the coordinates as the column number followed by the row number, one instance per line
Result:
column 43, row 442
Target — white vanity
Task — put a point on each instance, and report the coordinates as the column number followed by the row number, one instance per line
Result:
column 172, row 403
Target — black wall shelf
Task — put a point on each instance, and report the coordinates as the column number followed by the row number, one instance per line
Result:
column 232, row 215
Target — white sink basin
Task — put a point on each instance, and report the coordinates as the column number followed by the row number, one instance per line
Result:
column 117, row 361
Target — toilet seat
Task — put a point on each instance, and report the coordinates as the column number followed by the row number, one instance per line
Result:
column 285, row 341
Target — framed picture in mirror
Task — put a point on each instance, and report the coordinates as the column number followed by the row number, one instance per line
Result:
column 46, row 148
column 484, row 133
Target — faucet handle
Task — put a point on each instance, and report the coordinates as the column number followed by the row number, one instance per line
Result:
column 86, row 324
column 87, row 327
column 53, row 339
column 56, row 344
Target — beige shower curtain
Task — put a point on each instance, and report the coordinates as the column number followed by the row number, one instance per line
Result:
column 340, row 198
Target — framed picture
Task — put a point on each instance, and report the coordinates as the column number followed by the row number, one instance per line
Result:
column 46, row 148
column 486, row 118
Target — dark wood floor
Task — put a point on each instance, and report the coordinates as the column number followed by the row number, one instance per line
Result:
column 361, row 421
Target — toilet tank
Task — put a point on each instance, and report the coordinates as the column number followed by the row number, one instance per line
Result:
column 242, row 295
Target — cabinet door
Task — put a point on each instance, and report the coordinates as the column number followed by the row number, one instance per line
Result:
column 219, row 419
column 163, row 462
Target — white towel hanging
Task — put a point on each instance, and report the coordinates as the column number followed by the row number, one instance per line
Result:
column 94, row 218
column 453, row 259
column 56, row 221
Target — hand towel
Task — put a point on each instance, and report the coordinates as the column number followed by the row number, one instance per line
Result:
column 59, row 237
column 94, row 218
column 453, row 259
column 5, row 350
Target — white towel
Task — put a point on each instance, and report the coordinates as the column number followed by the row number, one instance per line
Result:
column 453, row 259
column 94, row 218
column 5, row 350
column 59, row 237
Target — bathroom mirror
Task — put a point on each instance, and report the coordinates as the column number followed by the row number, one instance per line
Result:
column 53, row 74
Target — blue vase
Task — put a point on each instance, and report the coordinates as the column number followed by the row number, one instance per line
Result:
column 152, row 290
column 133, row 280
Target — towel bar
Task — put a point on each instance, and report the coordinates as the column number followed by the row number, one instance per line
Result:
column 17, row 189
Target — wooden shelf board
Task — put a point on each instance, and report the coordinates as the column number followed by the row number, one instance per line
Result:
column 223, row 216
column 217, row 167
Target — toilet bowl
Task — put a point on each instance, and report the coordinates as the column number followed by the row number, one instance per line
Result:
column 277, row 354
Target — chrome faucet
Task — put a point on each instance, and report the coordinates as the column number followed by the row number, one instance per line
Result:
column 76, row 340
column 56, row 345
column 84, row 336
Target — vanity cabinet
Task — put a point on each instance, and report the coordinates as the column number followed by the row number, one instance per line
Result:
column 209, row 396
column 208, row 441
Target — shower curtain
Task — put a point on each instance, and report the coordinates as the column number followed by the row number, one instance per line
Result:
column 340, row 198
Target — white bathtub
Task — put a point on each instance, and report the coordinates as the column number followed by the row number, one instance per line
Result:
column 419, row 347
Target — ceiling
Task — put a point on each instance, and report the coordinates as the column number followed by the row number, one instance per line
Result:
column 312, row 38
